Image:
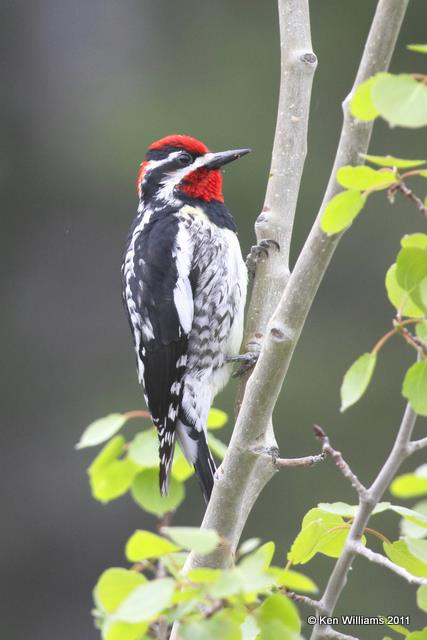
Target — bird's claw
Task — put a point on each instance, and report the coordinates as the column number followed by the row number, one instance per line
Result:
column 247, row 361
column 257, row 252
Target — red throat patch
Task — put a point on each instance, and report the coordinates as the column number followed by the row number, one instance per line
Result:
column 203, row 184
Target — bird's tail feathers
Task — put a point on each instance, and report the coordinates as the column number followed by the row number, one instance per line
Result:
column 205, row 468
column 166, row 451
column 195, row 448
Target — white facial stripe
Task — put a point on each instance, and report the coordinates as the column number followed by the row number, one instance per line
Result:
column 173, row 178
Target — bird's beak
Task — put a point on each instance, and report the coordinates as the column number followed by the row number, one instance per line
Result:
column 217, row 160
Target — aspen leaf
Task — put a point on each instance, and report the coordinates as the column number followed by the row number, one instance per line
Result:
column 145, row 544
column 415, row 387
column 357, row 379
column 340, row 212
column 392, row 161
column 193, row 538
column 362, row 106
column 145, row 492
column 217, row 419
column 101, row 430
column 364, row 178
column 147, row 601
column 401, row 100
column 419, row 48
column 422, row 597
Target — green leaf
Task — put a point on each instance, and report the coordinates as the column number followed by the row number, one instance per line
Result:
column 422, row 597
column 219, row 626
column 114, row 585
column 409, row 485
column 411, row 267
column 193, row 538
column 332, row 542
column 204, row 575
column 249, row 545
column 110, row 452
column 421, row 331
column 357, row 379
column 113, row 481
column 304, row 545
column 401, row 100
column 294, row 580
column 365, row 178
column 217, row 446
column 144, row 544
column 418, row 548
column 409, row 514
column 145, row 492
column 101, row 430
column 417, row 240
column 340, row 212
column 144, row 449
column 399, row 553
column 109, row 477
column 415, row 387
column 217, row 419
column 422, row 294
column 174, row 562
column 279, row 608
column 411, row 530
column 147, row 601
column 314, row 525
column 349, row 510
column 419, row 48
column 418, row 635
column 249, row 628
column 399, row 298
column 392, row 161
column 114, row 630
column 362, row 106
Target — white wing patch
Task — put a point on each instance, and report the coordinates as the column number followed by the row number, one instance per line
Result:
column 182, row 294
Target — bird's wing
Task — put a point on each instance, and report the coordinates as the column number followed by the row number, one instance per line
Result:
column 163, row 313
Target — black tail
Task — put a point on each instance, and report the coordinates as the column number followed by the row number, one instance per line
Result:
column 205, row 467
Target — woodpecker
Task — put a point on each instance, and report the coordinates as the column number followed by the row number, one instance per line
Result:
column 184, row 289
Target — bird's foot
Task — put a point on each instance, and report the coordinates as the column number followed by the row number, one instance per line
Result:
column 247, row 361
column 257, row 252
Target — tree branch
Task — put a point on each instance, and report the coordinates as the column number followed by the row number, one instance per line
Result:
column 367, row 503
column 359, row 549
column 339, row 461
column 401, row 186
column 417, row 445
column 243, row 474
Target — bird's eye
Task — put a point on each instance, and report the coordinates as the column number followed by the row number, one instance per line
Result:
column 185, row 158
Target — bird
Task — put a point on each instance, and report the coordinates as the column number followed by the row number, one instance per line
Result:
column 184, row 285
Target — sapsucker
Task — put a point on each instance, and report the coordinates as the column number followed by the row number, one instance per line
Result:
column 184, row 289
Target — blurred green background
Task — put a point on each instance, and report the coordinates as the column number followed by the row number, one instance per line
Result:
column 86, row 87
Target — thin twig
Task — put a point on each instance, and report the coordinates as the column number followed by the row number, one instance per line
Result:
column 308, row 602
column 280, row 463
column 337, row 457
column 401, row 186
column 338, row 578
column 372, row 556
column 417, row 445
column 306, row 461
